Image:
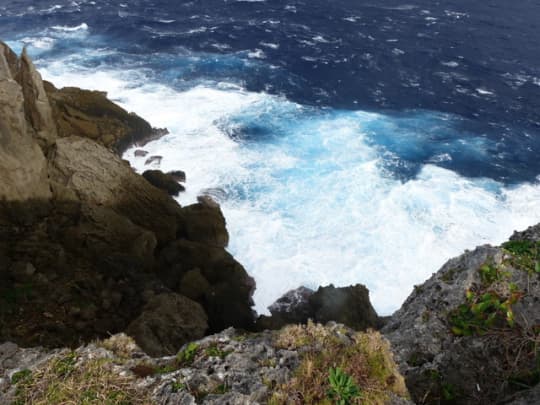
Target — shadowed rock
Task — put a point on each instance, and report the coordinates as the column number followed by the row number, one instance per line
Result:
column 163, row 181
column 168, row 322
column 348, row 305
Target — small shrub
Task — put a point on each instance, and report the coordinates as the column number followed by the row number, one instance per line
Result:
column 343, row 389
column 215, row 351
column 187, row 355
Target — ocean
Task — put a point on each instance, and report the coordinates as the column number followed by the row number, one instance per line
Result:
column 346, row 141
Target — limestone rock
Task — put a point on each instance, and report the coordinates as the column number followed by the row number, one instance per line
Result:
column 203, row 223
column 10, row 59
column 36, row 103
column 91, row 114
column 97, row 176
column 167, row 322
column 23, row 168
column 441, row 359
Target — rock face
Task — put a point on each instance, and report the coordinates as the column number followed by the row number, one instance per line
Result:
column 83, row 237
column 23, row 168
column 347, row 305
column 90, row 114
column 470, row 333
column 97, row 176
column 36, row 103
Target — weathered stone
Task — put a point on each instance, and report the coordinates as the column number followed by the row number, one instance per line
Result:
column 203, row 223
column 167, row 322
column 470, row 367
column 8, row 62
column 228, row 300
column 23, row 168
column 140, row 153
column 99, row 177
column 36, row 103
column 90, row 114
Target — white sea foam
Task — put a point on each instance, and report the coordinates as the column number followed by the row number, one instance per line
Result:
column 83, row 26
column 312, row 205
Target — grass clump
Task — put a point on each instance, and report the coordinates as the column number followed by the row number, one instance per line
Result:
column 333, row 369
column 69, row 379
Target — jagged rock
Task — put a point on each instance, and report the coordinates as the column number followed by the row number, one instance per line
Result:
column 90, row 114
column 99, row 177
column 36, row 103
column 228, row 299
column 140, row 153
column 347, row 305
column 100, row 229
column 10, row 59
column 23, row 168
column 445, row 352
column 163, row 181
column 203, row 223
column 167, row 322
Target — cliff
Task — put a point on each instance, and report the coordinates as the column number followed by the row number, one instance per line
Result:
column 90, row 249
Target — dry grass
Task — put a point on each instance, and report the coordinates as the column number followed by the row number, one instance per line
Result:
column 68, row 379
column 121, row 345
column 367, row 359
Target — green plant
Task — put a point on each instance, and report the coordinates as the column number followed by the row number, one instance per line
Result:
column 214, row 351
column 22, row 375
column 187, row 355
column 483, row 311
column 177, row 386
column 65, row 365
column 526, row 254
column 343, row 389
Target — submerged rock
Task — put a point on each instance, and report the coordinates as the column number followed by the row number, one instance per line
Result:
column 163, row 181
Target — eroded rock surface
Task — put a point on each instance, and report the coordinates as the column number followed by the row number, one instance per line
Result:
column 468, row 334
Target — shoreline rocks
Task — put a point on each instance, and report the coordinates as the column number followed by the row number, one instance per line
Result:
column 82, row 235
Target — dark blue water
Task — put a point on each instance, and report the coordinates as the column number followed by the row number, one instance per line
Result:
column 347, row 141
column 477, row 60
